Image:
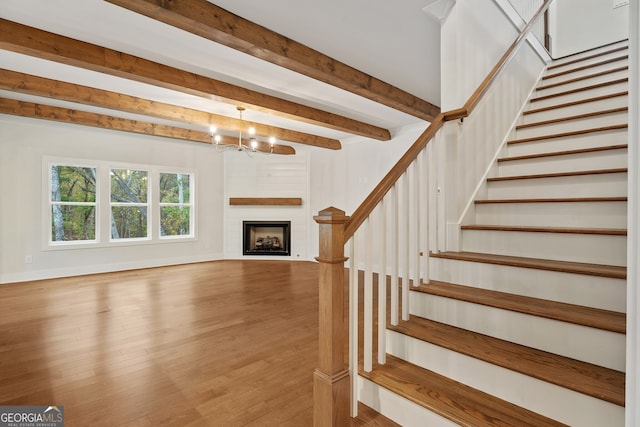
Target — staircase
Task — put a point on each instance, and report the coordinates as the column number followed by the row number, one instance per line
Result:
column 525, row 326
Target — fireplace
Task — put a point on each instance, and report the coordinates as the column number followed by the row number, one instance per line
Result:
column 266, row 238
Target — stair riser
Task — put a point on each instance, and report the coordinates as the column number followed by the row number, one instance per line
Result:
column 590, row 291
column 589, row 140
column 586, row 248
column 397, row 408
column 586, row 81
column 610, row 159
column 574, row 110
column 555, row 402
column 583, row 72
column 591, row 345
column 556, row 214
column 573, row 125
column 577, row 96
column 601, row 185
column 570, row 66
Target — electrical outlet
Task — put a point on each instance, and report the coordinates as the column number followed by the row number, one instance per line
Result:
column 28, row 259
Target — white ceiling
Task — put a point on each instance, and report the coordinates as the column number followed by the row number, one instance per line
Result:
column 391, row 40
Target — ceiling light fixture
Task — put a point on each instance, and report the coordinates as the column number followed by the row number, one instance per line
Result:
column 250, row 148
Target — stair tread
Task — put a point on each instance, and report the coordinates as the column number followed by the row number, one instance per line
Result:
column 592, row 380
column 455, row 401
column 586, row 67
column 600, row 270
column 588, row 76
column 577, row 102
column 581, row 89
column 576, row 117
column 553, row 200
column 555, row 63
column 558, row 174
column 586, row 316
column 566, row 134
column 565, row 153
column 562, row 230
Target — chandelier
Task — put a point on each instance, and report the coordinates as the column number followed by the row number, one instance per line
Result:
column 250, row 146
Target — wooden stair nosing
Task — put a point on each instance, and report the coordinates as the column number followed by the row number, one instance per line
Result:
column 578, row 90
column 451, row 399
column 577, row 79
column 572, row 133
column 558, row 174
column 559, row 230
column 576, row 117
column 592, row 380
column 553, row 200
column 579, row 315
column 565, row 153
column 586, row 67
column 570, row 267
column 586, row 58
column 577, row 102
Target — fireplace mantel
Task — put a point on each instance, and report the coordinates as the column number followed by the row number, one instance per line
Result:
column 265, row 201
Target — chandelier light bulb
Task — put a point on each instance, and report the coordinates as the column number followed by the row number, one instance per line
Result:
column 213, row 129
column 272, row 140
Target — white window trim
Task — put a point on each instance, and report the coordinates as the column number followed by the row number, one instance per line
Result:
column 190, row 205
column 103, row 205
column 147, row 205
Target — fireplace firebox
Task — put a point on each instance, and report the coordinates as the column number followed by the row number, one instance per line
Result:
column 266, row 238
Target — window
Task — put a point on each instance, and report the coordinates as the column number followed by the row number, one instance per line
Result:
column 175, row 205
column 98, row 203
column 129, row 204
column 72, row 202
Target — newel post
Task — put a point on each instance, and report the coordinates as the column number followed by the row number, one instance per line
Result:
column 331, row 378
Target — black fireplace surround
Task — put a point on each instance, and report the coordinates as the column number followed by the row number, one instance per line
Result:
column 266, row 238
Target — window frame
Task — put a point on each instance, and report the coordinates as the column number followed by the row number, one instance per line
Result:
column 147, row 205
column 190, row 205
column 103, row 204
column 50, row 203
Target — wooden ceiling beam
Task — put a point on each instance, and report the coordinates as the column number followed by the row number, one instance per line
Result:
column 31, row 41
column 212, row 22
column 55, row 89
column 67, row 115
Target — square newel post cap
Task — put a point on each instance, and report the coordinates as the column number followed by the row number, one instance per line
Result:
column 331, row 215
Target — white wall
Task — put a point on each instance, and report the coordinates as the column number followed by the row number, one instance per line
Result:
column 577, row 25
column 23, row 145
column 633, row 239
column 473, row 38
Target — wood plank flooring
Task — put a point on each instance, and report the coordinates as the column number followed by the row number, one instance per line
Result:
column 225, row 343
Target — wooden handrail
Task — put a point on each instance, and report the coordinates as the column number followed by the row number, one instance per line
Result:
column 378, row 193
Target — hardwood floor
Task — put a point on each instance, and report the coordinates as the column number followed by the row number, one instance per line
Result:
column 225, row 343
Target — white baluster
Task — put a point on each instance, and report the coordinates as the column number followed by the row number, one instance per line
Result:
column 407, row 237
column 416, row 221
column 353, row 325
column 394, row 254
column 368, row 295
column 382, row 285
column 424, row 217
